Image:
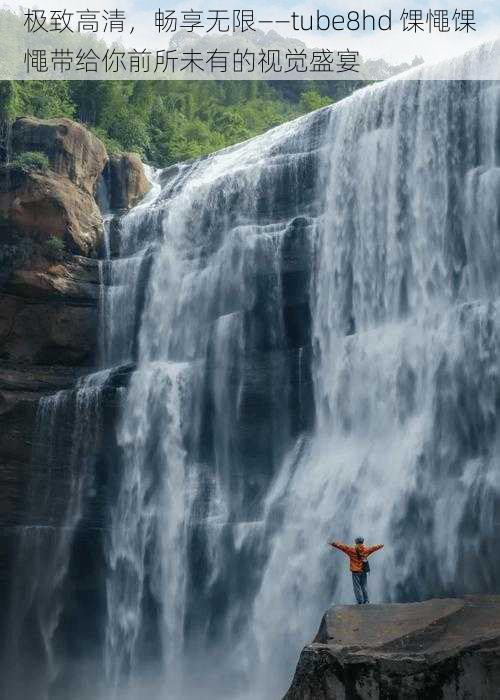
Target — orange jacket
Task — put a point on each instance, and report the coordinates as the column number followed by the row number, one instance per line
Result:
column 357, row 554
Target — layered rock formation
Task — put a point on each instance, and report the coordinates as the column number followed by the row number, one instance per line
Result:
column 48, row 307
column 49, row 296
column 48, row 331
column 442, row 648
column 49, row 314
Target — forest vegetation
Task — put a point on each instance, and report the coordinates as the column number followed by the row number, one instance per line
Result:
column 170, row 121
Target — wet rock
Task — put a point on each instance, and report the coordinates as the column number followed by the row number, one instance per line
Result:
column 48, row 314
column 48, row 339
column 48, row 298
column 441, row 648
column 41, row 379
column 46, row 333
column 127, row 181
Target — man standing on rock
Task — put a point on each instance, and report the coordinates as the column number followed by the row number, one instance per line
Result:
column 358, row 561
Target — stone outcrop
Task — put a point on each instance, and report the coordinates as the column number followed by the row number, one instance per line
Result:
column 59, row 202
column 49, row 307
column 127, row 180
column 41, row 205
column 73, row 151
column 48, row 337
column 441, row 648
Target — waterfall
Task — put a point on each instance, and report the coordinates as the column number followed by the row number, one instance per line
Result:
column 316, row 357
column 121, row 277
column 406, row 369
column 309, row 328
column 380, row 216
column 68, row 425
column 214, row 348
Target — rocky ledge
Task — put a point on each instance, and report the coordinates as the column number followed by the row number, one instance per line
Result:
column 442, row 648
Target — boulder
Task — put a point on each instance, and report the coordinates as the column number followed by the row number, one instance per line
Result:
column 73, row 151
column 441, row 648
column 127, row 181
column 59, row 202
column 42, row 205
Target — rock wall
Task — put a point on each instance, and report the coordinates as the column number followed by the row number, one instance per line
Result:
column 442, row 648
column 127, row 181
column 49, row 297
column 48, row 332
column 48, row 303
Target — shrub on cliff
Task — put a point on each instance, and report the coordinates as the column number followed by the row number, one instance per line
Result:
column 54, row 248
column 32, row 160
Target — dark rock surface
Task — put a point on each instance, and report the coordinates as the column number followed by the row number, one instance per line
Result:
column 127, row 180
column 48, row 339
column 441, row 648
column 48, row 316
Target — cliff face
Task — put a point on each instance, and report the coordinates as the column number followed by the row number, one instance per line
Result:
column 49, row 296
column 442, row 648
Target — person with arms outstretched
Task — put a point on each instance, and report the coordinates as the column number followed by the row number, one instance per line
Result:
column 358, row 563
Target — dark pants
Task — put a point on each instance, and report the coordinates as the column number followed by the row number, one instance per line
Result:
column 359, row 584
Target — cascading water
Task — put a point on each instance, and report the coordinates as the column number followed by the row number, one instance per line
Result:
column 406, row 336
column 68, row 424
column 214, row 360
column 391, row 202
column 310, row 326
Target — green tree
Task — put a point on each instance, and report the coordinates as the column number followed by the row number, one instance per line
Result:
column 130, row 130
column 311, row 99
